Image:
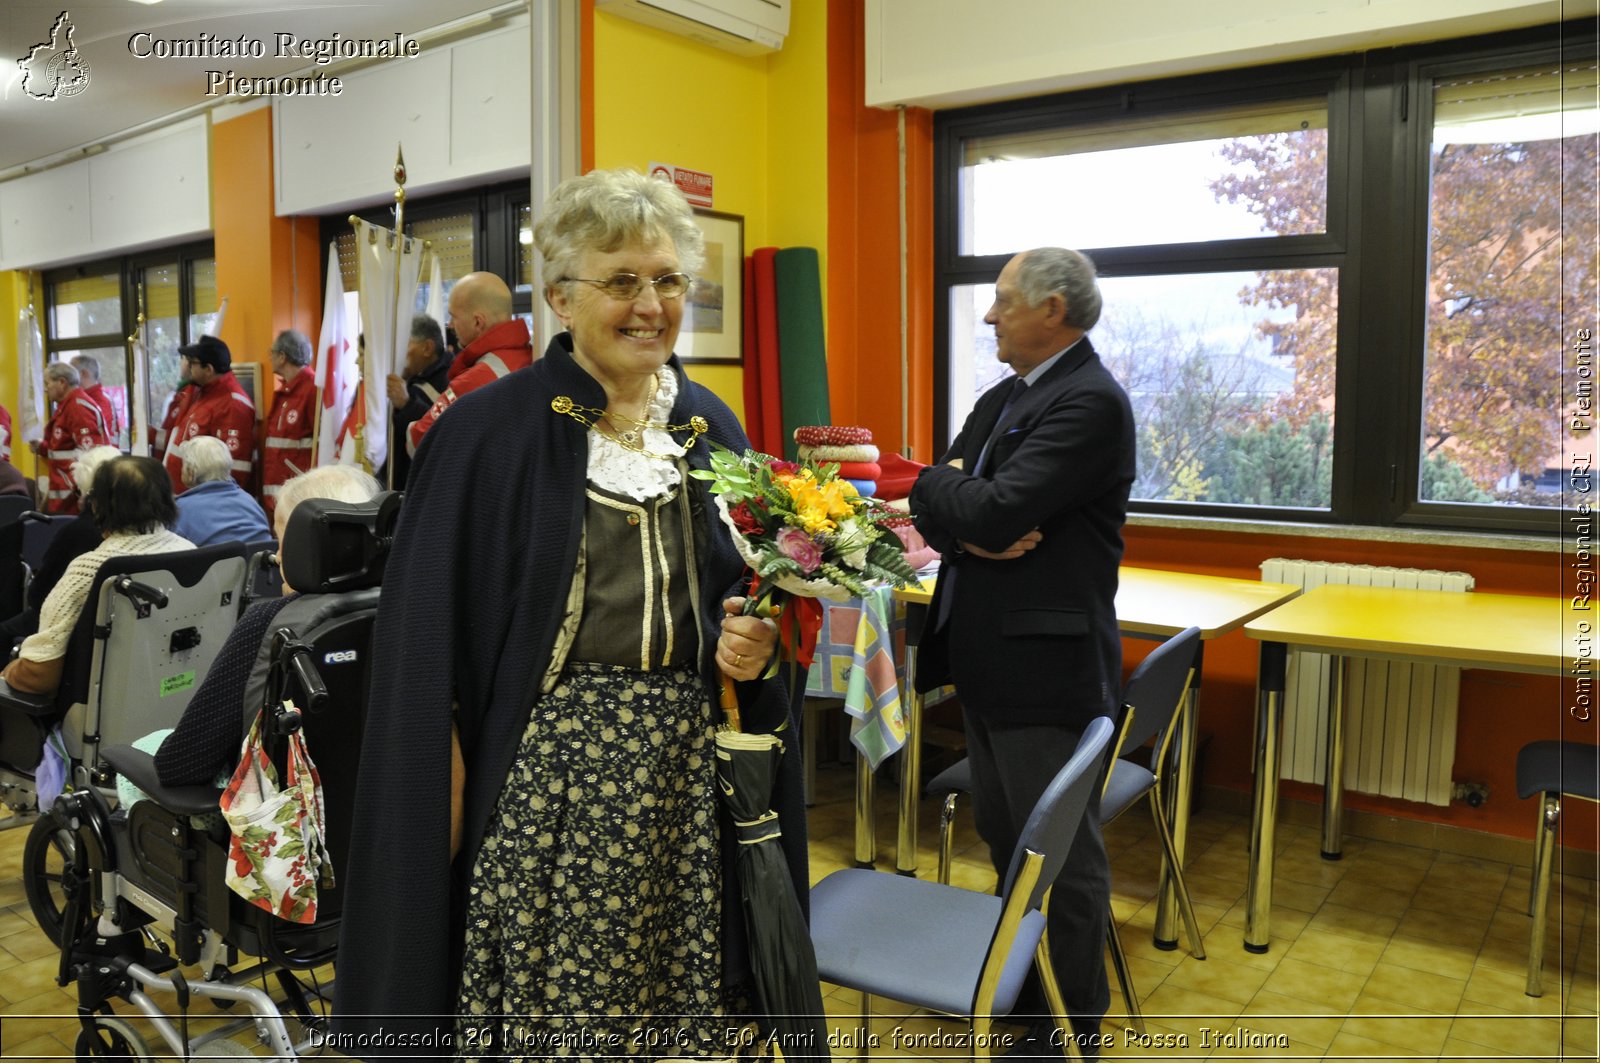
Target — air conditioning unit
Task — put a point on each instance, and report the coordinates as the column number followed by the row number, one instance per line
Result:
column 747, row 27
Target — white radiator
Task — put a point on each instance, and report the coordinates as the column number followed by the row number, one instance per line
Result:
column 1400, row 719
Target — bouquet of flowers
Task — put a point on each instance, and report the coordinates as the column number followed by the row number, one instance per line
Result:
column 803, row 530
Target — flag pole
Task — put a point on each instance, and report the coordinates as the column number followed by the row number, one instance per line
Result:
column 135, row 429
column 400, row 237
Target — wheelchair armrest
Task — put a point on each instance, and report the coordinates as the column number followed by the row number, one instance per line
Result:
column 26, row 701
column 139, row 768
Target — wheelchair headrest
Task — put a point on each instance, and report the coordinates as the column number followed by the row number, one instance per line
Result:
column 334, row 546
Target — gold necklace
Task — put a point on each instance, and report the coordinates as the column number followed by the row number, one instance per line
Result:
column 590, row 417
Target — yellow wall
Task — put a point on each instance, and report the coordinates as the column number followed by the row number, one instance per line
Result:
column 13, row 298
column 755, row 124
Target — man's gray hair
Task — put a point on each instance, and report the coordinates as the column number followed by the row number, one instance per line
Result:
column 1047, row 271
column 87, row 365
column 206, row 458
column 342, row 483
column 607, row 210
column 87, row 462
column 424, row 328
column 294, row 347
column 62, row 371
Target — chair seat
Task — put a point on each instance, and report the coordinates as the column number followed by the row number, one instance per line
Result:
column 956, row 779
column 913, row 940
column 1558, row 767
column 1129, row 782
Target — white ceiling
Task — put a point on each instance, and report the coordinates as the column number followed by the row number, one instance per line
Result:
column 123, row 92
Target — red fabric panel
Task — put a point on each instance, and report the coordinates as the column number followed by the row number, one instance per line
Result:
column 766, row 289
column 754, row 418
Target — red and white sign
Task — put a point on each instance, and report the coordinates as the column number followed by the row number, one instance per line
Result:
column 696, row 186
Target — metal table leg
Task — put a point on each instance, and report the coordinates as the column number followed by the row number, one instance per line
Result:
column 866, row 827
column 905, row 850
column 1333, row 779
column 1179, row 787
column 1263, row 822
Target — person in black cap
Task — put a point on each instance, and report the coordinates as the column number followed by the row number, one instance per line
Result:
column 219, row 408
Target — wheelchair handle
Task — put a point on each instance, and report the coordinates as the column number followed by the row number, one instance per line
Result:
column 142, row 593
column 294, row 656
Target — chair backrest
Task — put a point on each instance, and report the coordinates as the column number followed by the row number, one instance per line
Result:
column 1055, row 818
column 1155, row 690
column 317, row 653
column 13, row 573
column 13, row 506
column 336, row 630
column 37, row 531
column 145, row 642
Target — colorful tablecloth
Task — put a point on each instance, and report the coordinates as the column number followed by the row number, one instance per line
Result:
column 861, row 658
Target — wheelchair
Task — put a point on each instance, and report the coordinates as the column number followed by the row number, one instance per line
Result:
column 144, row 905
column 144, row 642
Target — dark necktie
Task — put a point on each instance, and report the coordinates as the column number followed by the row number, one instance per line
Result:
column 947, row 574
column 1018, row 386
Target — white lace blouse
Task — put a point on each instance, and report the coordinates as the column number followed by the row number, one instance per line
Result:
column 615, row 468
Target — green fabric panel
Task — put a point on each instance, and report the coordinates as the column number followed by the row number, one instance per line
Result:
column 803, row 355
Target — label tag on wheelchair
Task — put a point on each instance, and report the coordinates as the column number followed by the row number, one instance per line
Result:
column 175, row 683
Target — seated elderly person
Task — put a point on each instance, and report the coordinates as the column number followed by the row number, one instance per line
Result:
column 131, row 502
column 76, row 538
column 214, row 508
column 207, row 738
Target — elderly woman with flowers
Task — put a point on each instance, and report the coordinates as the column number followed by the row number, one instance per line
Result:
column 539, row 846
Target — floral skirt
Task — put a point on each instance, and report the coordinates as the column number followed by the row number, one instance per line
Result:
column 594, row 914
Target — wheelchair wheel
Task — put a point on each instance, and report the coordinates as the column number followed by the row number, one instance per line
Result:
column 112, row 1038
column 48, row 857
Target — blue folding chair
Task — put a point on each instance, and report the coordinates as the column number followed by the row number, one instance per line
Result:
column 951, row 950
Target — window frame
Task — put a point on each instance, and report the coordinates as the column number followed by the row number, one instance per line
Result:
column 1379, row 137
column 494, row 238
column 129, row 268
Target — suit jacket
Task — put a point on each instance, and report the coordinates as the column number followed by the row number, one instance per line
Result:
column 1034, row 639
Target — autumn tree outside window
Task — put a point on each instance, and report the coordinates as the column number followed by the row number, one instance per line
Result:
column 1335, row 290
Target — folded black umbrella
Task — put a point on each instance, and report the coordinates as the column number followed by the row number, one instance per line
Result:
column 782, row 960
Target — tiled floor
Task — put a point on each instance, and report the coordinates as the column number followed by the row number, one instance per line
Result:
column 1391, row 953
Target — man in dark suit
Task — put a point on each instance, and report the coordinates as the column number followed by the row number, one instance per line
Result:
column 1027, row 508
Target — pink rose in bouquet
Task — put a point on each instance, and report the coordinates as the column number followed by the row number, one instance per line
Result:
column 798, row 547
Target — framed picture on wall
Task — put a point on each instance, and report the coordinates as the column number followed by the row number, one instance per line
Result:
column 713, row 316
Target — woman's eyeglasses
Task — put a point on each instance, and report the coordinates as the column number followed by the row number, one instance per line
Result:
column 627, row 286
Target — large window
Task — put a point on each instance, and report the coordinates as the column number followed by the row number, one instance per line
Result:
column 95, row 308
column 476, row 231
column 1511, row 241
column 1333, row 289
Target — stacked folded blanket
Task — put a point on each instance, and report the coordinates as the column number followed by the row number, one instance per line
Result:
column 848, row 446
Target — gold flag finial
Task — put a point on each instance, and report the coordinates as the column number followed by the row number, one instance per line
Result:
column 399, row 196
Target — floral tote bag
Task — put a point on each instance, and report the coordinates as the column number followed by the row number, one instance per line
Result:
column 278, row 851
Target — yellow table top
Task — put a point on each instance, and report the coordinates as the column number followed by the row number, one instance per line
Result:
column 1156, row 602
column 1508, row 631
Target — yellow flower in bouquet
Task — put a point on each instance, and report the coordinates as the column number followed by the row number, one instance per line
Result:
column 802, row 529
column 820, row 506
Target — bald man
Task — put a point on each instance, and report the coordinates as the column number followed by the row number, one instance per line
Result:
column 493, row 344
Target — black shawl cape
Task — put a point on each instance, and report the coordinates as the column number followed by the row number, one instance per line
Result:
column 472, row 599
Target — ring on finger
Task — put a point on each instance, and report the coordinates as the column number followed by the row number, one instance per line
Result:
column 738, row 660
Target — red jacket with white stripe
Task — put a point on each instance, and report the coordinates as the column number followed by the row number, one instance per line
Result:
column 97, row 393
column 77, row 425
column 177, row 402
column 287, row 450
column 222, row 409
column 500, row 350
column 5, row 434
